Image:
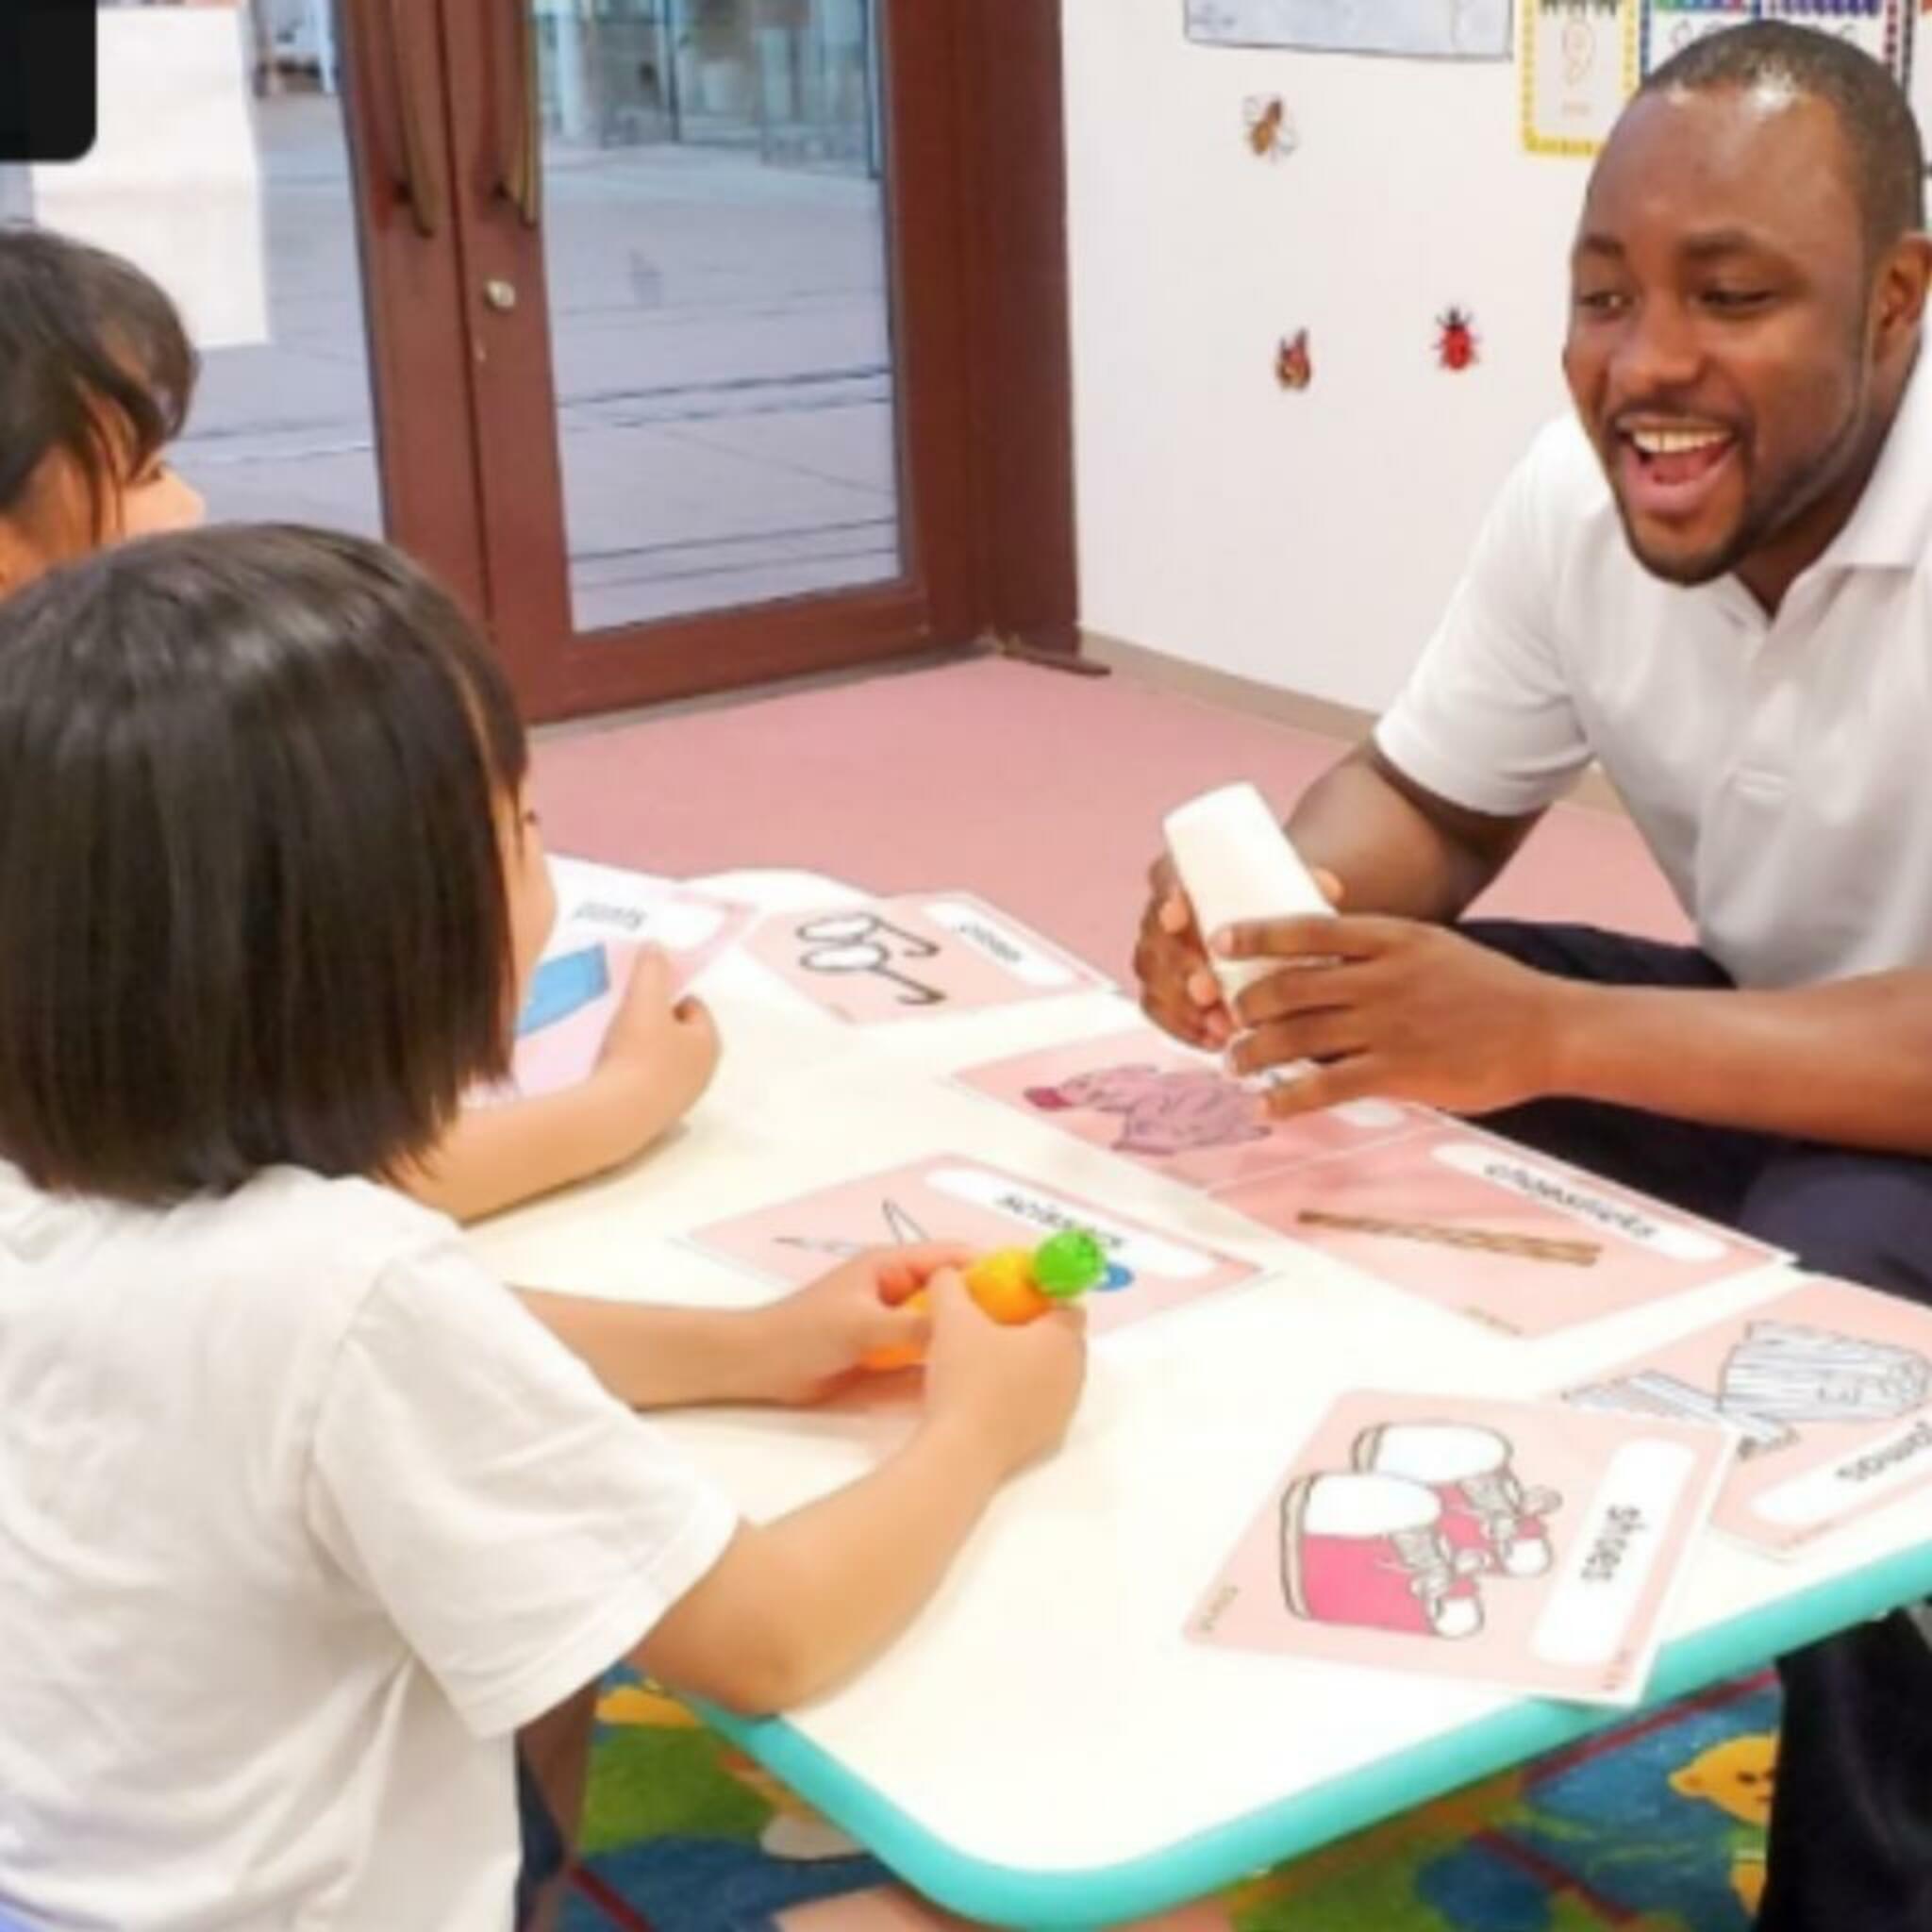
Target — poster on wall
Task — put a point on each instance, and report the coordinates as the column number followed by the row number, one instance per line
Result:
column 1919, row 69
column 1876, row 26
column 1419, row 29
column 1579, row 66
column 1671, row 26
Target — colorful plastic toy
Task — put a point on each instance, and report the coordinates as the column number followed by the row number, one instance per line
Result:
column 1016, row 1284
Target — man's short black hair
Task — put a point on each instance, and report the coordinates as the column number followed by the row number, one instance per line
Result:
column 1881, row 133
column 94, row 363
column 252, row 902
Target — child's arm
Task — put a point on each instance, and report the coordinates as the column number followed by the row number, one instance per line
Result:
column 794, row 1605
column 792, row 1351
column 657, row 1059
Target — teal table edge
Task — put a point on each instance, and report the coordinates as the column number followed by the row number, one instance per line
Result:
column 1078, row 1901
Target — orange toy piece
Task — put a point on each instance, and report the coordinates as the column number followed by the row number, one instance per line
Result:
column 1002, row 1284
column 1015, row 1286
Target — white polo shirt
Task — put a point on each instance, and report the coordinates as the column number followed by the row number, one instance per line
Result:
column 1779, row 769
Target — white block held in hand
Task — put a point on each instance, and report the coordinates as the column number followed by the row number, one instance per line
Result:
column 1235, row 864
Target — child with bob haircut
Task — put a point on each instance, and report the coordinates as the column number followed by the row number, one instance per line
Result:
column 96, row 379
column 302, row 1515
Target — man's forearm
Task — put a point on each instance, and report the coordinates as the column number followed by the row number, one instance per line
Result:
column 1848, row 1064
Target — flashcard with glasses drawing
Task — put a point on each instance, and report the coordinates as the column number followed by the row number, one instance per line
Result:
column 952, row 1197
column 1526, row 1545
column 918, row 955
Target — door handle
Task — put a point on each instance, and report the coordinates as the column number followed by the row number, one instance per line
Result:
column 417, row 182
column 519, row 175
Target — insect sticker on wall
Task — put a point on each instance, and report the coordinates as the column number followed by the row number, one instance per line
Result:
column 1456, row 339
column 1293, row 368
column 1270, row 130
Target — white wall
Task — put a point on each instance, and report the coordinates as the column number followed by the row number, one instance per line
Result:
column 1305, row 540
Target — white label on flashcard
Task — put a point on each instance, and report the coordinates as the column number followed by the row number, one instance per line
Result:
column 678, row 924
column 994, row 941
column 1504, row 1167
column 1893, row 1463
column 1034, row 1208
column 1590, row 1614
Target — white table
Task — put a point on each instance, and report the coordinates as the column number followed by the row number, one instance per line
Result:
column 1044, row 1749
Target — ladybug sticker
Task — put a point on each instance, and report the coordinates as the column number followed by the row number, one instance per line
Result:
column 1456, row 339
column 1293, row 368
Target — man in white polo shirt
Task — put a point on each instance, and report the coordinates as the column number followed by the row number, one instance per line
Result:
column 1713, row 579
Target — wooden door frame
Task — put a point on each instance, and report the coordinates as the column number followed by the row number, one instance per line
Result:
column 976, row 189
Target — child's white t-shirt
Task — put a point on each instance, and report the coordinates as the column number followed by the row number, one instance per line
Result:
column 301, row 1516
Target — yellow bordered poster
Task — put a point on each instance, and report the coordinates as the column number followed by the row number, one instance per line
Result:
column 1579, row 66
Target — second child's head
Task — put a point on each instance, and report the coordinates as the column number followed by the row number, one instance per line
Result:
column 96, row 374
column 268, row 892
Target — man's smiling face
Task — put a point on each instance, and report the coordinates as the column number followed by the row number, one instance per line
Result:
column 1719, row 340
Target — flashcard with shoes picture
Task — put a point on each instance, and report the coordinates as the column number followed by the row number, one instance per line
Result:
column 1827, row 1392
column 916, row 956
column 1144, row 1097
column 953, row 1198
column 1530, row 1546
column 1517, row 1240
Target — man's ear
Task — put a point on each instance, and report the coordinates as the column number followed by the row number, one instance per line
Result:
column 1899, row 301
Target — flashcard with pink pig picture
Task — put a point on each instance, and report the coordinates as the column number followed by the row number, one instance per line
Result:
column 950, row 1197
column 1526, row 1545
column 1151, row 1100
column 914, row 956
column 1828, row 1392
column 1512, row 1239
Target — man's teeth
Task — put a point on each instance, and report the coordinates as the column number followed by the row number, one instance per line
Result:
column 1673, row 442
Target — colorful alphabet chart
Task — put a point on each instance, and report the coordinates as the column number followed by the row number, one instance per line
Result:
column 918, row 956
column 1827, row 1392
column 1579, row 66
column 1510, row 1543
column 1878, row 26
column 953, row 1198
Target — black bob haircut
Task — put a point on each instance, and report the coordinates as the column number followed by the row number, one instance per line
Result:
column 252, row 902
column 94, row 364
column 1875, row 120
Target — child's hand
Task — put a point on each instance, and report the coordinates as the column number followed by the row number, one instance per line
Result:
column 657, row 1058
column 811, row 1342
column 1014, row 1389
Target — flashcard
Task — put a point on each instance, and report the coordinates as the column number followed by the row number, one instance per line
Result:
column 1526, row 1545
column 1579, row 66
column 1152, row 1101
column 953, row 1198
column 1512, row 1239
column 596, row 901
column 924, row 952
column 1828, row 1393
column 605, row 917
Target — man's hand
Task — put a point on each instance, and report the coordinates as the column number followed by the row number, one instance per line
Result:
column 1179, row 991
column 1396, row 1009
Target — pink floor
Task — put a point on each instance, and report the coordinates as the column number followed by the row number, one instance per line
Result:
column 1038, row 791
